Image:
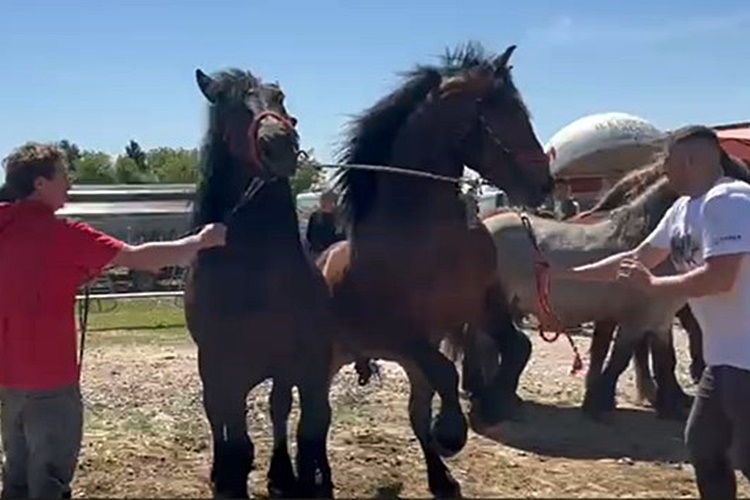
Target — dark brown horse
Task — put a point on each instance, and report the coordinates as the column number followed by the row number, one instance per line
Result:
column 257, row 308
column 413, row 267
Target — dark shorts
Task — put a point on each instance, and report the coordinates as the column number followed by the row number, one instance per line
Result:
column 719, row 421
column 41, row 437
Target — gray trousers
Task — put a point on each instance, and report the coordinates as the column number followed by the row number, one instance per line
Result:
column 41, row 437
column 719, row 418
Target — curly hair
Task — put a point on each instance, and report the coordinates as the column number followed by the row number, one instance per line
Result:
column 29, row 161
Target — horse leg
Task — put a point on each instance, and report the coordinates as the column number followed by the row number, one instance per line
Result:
column 439, row 479
column 600, row 396
column 499, row 399
column 671, row 401
column 224, row 395
column 314, row 423
column 695, row 340
column 450, row 429
column 601, row 339
column 281, row 479
column 644, row 382
column 480, row 360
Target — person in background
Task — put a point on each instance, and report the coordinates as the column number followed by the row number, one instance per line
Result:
column 44, row 259
column 706, row 234
column 564, row 206
column 322, row 225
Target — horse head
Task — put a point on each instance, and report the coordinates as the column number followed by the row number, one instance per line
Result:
column 495, row 136
column 253, row 123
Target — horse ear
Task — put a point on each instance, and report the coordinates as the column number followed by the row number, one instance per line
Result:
column 208, row 86
column 501, row 62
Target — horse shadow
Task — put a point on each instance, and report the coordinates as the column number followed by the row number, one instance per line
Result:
column 564, row 432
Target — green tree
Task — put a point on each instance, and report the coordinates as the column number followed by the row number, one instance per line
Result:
column 308, row 174
column 72, row 152
column 134, row 151
column 94, row 167
column 127, row 171
column 173, row 165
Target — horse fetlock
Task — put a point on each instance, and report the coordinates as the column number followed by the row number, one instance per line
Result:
column 282, row 481
column 672, row 404
column 450, row 431
column 233, row 462
column 442, row 484
column 599, row 399
column 314, row 472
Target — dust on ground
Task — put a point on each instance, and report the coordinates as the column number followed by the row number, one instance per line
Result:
column 146, row 434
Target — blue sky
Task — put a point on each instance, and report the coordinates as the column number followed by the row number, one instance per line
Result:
column 103, row 72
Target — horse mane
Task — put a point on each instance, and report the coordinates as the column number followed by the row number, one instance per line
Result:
column 210, row 201
column 629, row 186
column 651, row 195
column 370, row 136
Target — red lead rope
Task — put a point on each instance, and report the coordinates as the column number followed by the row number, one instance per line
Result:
column 542, row 278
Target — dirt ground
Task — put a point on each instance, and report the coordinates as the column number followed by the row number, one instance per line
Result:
column 146, row 434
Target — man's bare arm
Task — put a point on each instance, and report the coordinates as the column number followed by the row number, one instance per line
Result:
column 606, row 269
column 156, row 255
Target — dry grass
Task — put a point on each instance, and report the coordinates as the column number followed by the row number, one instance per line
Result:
column 146, row 434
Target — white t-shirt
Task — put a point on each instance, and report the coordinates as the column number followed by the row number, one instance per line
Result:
column 693, row 229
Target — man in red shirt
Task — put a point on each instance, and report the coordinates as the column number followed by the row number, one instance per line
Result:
column 43, row 262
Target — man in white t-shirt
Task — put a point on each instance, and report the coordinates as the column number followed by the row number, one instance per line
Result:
column 706, row 233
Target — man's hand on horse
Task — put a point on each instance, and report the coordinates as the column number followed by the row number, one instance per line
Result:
column 633, row 272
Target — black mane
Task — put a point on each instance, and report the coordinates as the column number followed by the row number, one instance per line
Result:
column 214, row 167
column 370, row 137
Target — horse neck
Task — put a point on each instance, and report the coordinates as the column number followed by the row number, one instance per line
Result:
column 636, row 221
column 269, row 217
column 417, row 203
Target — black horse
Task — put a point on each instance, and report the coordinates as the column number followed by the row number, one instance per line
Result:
column 257, row 308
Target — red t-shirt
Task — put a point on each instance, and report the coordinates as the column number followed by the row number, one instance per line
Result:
column 43, row 262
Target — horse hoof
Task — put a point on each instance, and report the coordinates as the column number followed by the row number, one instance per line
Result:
column 489, row 412
column 314, row 491
column 446, row 487
column 598, row 409
column 450, row 432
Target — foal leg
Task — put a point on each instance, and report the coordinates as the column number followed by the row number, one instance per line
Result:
column 644, row 382
column 499, row 398
column 695, row 339
column 601, row 339
column 281, row 479
column 600, row 396
column 671, row 401
column 439, row 479
column 224, row 394
column 449, row 430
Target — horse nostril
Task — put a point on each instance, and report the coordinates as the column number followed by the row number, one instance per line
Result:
column 293, row 120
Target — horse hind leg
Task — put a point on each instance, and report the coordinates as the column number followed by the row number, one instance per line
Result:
column 224, row 395
column 695, row 339
column 600, row 395
column 601, row 339
column 499, row 399
column 282, row 481
column 644, row 381
column 671, row 401
column 439, row 479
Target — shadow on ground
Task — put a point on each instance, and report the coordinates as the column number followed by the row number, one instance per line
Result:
column 564, row 432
